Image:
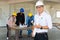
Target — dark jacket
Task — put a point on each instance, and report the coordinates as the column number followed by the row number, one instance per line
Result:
column 20, row 18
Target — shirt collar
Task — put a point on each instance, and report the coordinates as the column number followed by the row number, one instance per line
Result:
column 41, row 13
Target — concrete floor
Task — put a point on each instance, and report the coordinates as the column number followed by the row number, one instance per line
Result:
column 3, row 33
column 54, row 34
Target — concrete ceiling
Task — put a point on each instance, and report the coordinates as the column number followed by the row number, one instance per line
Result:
column 54, row 0
column 4, row 0
column 29, row 0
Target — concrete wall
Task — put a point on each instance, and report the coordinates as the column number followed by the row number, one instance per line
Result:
column 28, row 7
column 52, row 8
column 4, row 13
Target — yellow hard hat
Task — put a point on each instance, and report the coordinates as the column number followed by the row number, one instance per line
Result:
column 14, row 13
column 30, row 14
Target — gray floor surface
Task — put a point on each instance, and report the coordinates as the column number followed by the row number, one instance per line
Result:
column 53, row 34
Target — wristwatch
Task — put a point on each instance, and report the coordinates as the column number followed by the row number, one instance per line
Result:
column 41, row 28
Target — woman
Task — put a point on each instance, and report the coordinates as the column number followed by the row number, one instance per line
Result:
column 11, row 22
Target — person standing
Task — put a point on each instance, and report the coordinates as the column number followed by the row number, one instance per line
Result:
column 42, row 22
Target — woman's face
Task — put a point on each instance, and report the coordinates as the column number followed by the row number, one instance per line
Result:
column 14, row 16
column 40, row 9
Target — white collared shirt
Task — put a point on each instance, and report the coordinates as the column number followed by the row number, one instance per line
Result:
column 44, row 20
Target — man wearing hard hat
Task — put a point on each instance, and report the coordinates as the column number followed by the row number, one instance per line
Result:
column 29, row 22
column 20, row 19
column 11, row 22
column 42, row 22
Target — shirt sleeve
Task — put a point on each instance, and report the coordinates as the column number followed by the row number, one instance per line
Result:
column 34, row 20
column 10, row 21
column 49, row 21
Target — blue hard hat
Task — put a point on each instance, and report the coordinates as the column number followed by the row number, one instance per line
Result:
column 22, row 10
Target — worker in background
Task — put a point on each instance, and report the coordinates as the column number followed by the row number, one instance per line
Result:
column 20, row 19
column 42, row 22
column 29, row 22
column 11, row 22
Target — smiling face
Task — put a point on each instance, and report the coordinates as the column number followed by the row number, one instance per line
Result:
column 40, row 9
